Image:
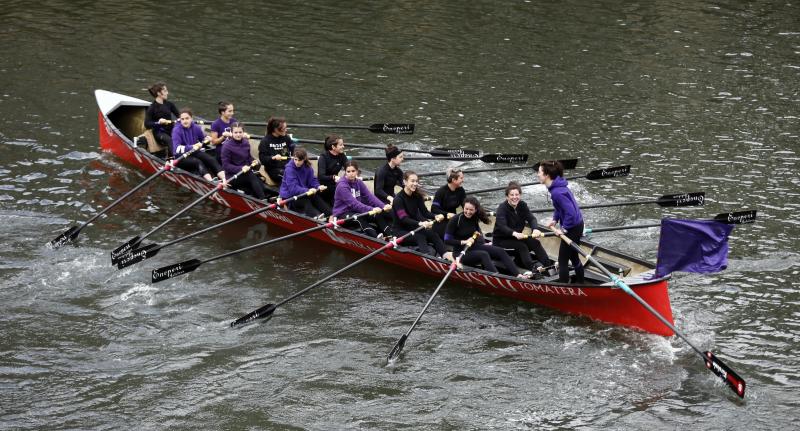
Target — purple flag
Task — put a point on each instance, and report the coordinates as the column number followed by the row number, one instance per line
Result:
column 692, row 246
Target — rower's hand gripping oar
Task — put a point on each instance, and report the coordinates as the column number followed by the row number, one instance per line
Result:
column 675, row 200
column 73, row 232
column 267, row 310
column 181, row 268
column 120, row 252
column 391, row 128
column 151, row 250
column 438, row 152
column 597, row 174
column 395, row 353
column 730, row 377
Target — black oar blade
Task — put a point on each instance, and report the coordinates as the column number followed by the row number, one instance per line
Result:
column 118, row 253
column 138, row 255
column 395, row 353
column 260, row 313
column 733, row 380
column 455, row 152
column 69, row 235
column 682, row 200
column 617, row 171
column 174, row 270
column 398, row 129
column 740, row 217
column 504, row 158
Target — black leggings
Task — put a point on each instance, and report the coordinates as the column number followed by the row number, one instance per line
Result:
column 421, row 238
column 200, row 163
column 250, row 184
column 311, row 206
column 566, row 254
column 164, row 139
column 370, row 225
column 483, row 254
column 524, row 247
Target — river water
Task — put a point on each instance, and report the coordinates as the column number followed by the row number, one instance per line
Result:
column 694, row 95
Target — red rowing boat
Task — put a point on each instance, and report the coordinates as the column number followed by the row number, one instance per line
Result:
column 121, row 120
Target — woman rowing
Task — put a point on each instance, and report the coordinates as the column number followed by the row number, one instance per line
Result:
column 236, row 158
column 275, row 149
column 567, row 213
column 184, row 136
column 389, row 175
column 299, row 178
column 460, row 230
column 448, row 198
column 160, row 115
column 329, row 164
column 353, row 197
column 221, row 128
column 409, row 212
column 511, row 218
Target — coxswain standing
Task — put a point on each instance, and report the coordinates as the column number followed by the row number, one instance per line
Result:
column 567, row 213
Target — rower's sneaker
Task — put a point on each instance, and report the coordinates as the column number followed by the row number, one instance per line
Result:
column 527, row 274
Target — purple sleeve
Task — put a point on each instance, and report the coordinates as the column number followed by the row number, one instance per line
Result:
column 290, row 186
column 227, row 160
column 371, row 198
column 559, row 202
column 178, row 141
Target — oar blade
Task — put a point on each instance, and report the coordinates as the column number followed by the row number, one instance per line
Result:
column 138, row 255
column 68, row 235
column 682, row 200
column 393, row 128
column 260, row 313
column 740, row 217
column 724, row 372
column 617, row 171
column 174, row 270
column 504, row 158
column 454, row 152
column 118, row 253
column 395, row 353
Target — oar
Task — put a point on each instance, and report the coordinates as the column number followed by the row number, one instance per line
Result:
column 676, row 200
column 184, row 267
column 598, row 174
column 487, row 158
column 151, row 250
column 74, row 231
column 120, row 252
column 402, row 341
column 438, row 152
column 392, row 128
column 568, row 164
column 267, row 310
column 730, row 377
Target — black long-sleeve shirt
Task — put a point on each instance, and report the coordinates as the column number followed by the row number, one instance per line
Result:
column 460, row 228
column 447, row 201
column 385, row 181
column 509, row 220
column 271, row 146
column 329, row 165
column 408, row 211
column 157, row 111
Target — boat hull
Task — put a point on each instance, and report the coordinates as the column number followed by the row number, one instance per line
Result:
column 601, row 302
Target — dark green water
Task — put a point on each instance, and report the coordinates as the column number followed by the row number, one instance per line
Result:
column 694, row 95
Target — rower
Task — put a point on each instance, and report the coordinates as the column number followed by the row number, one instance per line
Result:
column 511, row 218
column 221, row 128
column 353, row 197
column 184, row 136
column 299, row 178
column 275, row 149
column 160, row 117
column 459, row 234
column 329, row 164
column 236, row 158
column 409, row 212
column 448, row 198
column 567, row 213
column 389, row 175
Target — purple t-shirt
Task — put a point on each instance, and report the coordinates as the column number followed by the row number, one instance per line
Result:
column 219, row 126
